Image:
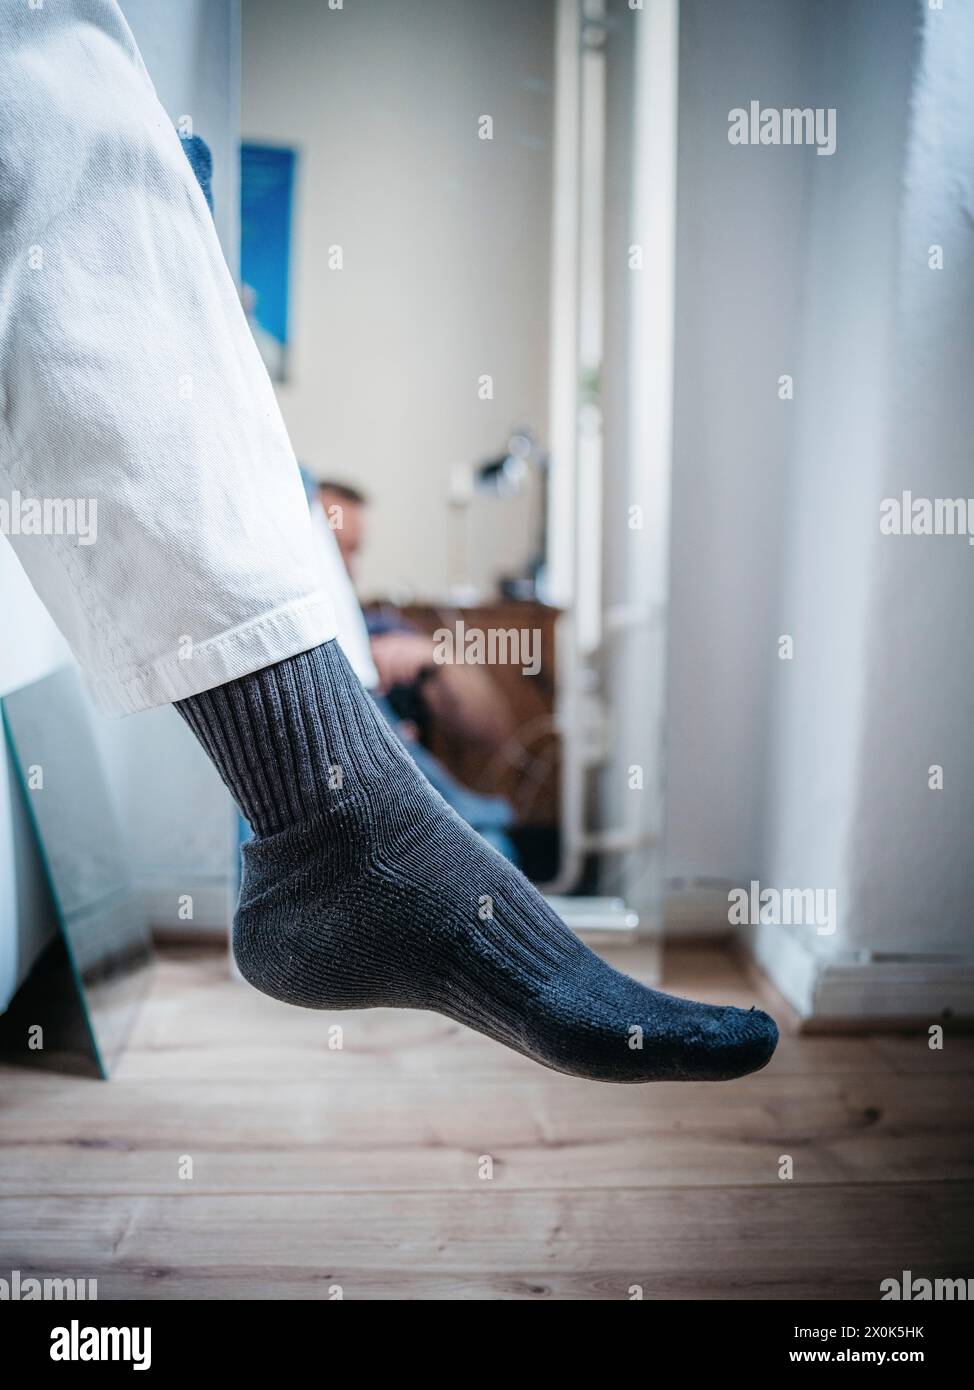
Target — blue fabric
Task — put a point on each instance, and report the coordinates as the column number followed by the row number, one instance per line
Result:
column 201, row 162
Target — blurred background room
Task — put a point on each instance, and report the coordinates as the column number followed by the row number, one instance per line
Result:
column 599, row 410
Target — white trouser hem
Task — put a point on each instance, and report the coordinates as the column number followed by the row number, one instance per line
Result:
column 296, row 627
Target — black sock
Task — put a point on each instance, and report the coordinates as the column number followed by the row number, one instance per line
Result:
column 363, row 889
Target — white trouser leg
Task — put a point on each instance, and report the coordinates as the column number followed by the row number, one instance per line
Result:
column 131, row 384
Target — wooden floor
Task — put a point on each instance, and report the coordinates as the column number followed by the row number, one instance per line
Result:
column 361, row 1167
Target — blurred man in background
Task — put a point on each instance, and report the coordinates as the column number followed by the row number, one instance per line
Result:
column 414, row 692
column 460, row 700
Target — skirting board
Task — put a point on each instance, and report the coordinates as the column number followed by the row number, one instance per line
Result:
column 863, row 991
column 696, row 909
column 856, row 991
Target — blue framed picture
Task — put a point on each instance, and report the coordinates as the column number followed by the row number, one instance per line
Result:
column 267, row 175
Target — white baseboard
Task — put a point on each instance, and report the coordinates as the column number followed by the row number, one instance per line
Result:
column 841, row 990
column 695, row 909
column 859, row 988
column 921, row 991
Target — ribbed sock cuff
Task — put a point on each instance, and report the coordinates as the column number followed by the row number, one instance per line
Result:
column 297, row 739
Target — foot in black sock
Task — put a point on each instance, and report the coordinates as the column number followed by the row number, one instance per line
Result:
column 363, row 889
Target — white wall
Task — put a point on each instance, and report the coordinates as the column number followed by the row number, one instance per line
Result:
column 813, row 772
column 739, row 300
column 911, row 866
column 842, row 412
column 446, row 249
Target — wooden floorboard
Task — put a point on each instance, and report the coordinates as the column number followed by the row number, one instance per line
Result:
column 364, row 1166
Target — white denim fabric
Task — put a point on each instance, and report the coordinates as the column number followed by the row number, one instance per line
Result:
column 131, row 379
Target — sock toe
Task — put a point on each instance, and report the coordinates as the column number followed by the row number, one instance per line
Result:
column 706, row 1042
column 750, row 1037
